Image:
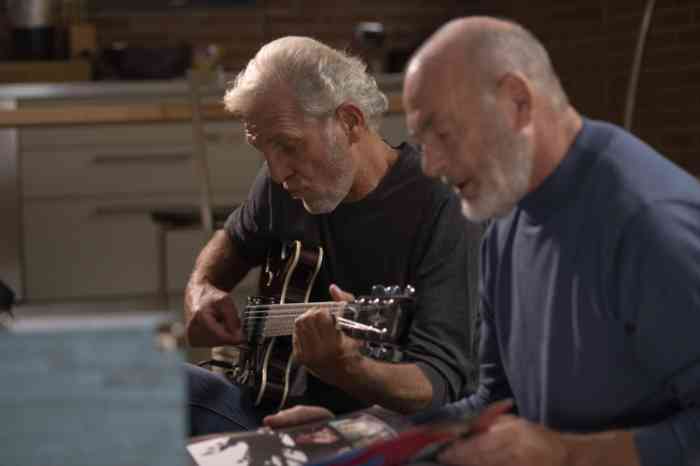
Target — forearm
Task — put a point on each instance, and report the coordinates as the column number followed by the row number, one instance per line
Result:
column 609, row 448
column 214, row 264
column 400, row 387
column 218, row 264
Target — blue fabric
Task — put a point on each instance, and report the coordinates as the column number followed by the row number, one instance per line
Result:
column 591, row 298
column 216, row 405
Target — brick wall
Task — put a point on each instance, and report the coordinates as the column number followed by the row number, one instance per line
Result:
column 592, row 44
column 4, row 33
column 241, row 30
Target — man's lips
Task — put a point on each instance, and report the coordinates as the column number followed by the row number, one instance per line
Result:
column 466, row 189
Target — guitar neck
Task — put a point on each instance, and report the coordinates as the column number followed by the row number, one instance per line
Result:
column 278, row 319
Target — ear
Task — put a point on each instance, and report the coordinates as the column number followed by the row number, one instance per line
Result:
column 517, row 95
column 352, row 121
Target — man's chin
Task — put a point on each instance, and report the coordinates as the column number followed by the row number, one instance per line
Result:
column 318, row 208
column 478, row 212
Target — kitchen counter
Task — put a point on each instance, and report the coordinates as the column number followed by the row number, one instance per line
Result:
column 122, row 102
column 83, row 163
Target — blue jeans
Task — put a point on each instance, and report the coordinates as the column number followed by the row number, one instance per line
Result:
column 217, row 405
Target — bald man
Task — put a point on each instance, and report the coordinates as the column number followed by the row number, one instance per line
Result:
column 590, row 285
column 590, row 276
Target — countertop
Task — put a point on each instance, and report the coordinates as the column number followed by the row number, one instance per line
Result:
column 121, row 102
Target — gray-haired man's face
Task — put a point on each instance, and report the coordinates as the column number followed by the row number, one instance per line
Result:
column 307, row 156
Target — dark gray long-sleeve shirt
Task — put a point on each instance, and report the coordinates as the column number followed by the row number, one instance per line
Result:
column 591, row 299
column 408, row 230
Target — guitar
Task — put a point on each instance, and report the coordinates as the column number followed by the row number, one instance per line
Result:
column 265, row 363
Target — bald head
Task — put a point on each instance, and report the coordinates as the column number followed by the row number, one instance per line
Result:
column 484, row 102
column 481, row 50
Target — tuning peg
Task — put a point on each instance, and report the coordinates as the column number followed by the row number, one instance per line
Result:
column 379, row 290
column 409, row 290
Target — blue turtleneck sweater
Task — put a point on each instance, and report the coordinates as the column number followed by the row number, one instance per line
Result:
column 590, row 290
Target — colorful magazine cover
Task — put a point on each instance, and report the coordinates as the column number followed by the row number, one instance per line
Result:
column 297, row 445
column 371, row 437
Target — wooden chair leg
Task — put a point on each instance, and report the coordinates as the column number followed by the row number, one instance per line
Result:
column 162, row 264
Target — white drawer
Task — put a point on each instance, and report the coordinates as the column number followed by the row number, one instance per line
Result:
column 78, row 249
column 136, row 166
column 108, row 170
column 50, row 138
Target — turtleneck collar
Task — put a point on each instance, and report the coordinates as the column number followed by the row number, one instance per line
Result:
column 563, row 183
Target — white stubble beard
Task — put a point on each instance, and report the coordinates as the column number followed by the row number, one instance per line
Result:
column 340, row 160
column 507, row 178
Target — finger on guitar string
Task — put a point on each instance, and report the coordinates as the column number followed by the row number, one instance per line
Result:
column 317, row 336
column 340, row 295
column 219, row 331
column 316, row 328
column 297, row 351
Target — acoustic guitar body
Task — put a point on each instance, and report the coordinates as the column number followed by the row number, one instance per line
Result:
column 381, row 320
column 287, row 278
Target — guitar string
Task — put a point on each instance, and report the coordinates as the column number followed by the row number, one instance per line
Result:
column 271, row 310
column 287, row 311
column 293, row 305
column 259, row 315
column 350, row 325
column 280, row 322
column 298, row 309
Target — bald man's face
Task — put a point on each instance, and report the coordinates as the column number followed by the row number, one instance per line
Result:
column 465, row 138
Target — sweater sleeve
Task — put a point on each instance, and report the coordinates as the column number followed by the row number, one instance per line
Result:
column 440, row 337
column 493, row 383
column 248, row 226
column 660, row 300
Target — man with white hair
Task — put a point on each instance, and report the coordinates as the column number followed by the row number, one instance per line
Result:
column 330, row 180
column 590, row 276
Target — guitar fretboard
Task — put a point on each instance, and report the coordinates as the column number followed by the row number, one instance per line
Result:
column 278, row 319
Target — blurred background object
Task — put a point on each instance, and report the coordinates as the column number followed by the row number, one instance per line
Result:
column 33, row 28
column 124, row 61
column 7, row 300
column 370, row 38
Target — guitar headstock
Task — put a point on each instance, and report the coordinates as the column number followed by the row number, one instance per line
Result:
column 388, row 309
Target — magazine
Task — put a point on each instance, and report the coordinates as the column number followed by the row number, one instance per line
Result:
column 297, row 445
column 370, row 437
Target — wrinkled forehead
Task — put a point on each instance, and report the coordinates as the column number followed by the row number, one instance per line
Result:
column 275, row 123
column 270, row 111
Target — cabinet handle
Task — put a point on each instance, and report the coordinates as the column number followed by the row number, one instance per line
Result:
column 121, row 210
column 223, row 138
column 158, row 159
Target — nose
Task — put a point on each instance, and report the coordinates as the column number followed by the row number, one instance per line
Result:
column 279, row 168
column 432, row 162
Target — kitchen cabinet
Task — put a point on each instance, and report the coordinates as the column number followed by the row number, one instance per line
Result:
column 83, row 194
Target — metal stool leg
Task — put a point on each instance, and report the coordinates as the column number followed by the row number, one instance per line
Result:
column 162, row 258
